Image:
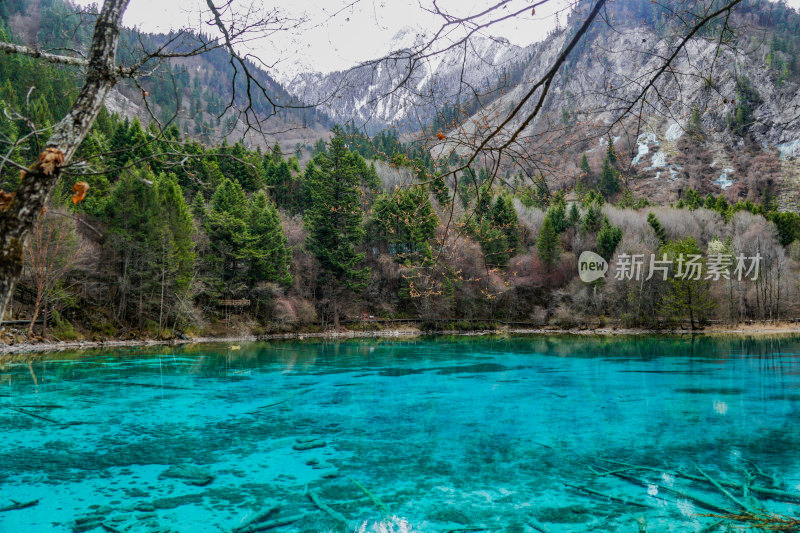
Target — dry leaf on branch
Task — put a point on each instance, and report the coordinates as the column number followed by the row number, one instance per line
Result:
column 5, row 199
column 80, row 189
column 50, row 159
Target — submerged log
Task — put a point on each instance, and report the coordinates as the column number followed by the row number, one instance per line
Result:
column 261, row 517
column 314, row 496
column 377, row 501
column 18, row 505
column 727, row 493
column 538, row 526
column 776, row 483
column 699, row 500
column 773, row 494
column 278, row 522
column 33, row 415
column 610, row 497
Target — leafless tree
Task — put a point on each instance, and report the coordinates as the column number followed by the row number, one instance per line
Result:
column 50, row 253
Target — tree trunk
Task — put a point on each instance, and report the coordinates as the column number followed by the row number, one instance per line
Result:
column 36, row 309
column 38, row 182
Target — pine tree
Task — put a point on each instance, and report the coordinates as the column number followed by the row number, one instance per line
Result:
column 609, row 182
column 199, row 207
column 661, row 234
column 277, row 153
column 484, row 200
column 687, row 297
column 504, row 217
column 439, row 188
column 228, row 238
column 547, row 245
column 494, row 244
column 405, row 224
column 133, row 219
column 611, row 153
column 592, row 219
column 285, row 189
column 585, row 168
column 176, row 258
column 267, row 251
column 334, row 222
column 585, row 174
column 694, row 128
column 608, row 238
column 138, row 147
column 177, row 221
column 574, row 216
column 119, row 145
column 558, row 215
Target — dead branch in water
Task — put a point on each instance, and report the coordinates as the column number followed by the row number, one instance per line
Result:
column 259, row 518
column 18, row 505
column 377, row 501
column 314, row 496
column 773, row 494
column 727, row 493
column 609, row 497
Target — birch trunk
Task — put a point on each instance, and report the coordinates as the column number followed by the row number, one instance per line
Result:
column 38, row 182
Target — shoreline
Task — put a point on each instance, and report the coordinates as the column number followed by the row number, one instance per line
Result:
column 749, row 330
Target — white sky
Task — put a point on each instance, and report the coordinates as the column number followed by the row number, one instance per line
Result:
column 360, row 29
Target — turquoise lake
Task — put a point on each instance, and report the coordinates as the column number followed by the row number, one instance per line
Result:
column 424, row 435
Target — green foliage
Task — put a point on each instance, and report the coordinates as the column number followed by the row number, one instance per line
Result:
column 592, row 197
column 438, row 187
column 608, row 238
column 692, row 200
column 558, row 216
column 537, row 195
column 149, row 238
column 404, row 224
column 694, row 129
column 574, row 215
column 788, row 225
column 239, row 164
column 629, row 201
column 585, row 168
column 61, row 328
column 483, row 201
column 267, row 251
column 247, row 244
column 199, row 207
column 497, row 230
column 177, row 229
column 747, row 99
column 658, row 229
column 585, row 174
column 609, row 179
column 334, row 216
column 592, row 219
column 493, row 244
column 687, row 298
column 504, row 217
column 611, row 153
column 548, row 245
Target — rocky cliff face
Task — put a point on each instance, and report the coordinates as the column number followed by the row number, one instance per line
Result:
column 745, row 98
column 403, row 92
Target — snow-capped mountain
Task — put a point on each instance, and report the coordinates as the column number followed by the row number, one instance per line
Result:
column 410, row 85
